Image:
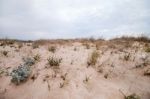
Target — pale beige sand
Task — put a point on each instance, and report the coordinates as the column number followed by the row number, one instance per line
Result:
column 122, row 76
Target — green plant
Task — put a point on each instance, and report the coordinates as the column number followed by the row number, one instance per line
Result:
column 93, row 59
column 127, row 56
column 147, row 72
column 147, row 49
column 64, row 76
column 132, row 96
column 86, row 79
column 63, row 84
column 106, row 76
column 28, row 61
column 5, row 53
column 54, row 61
column 34, row 46
column 86, row 45
column 20, row 74
column 20, row 45
column 37, row 57
column 52, row 49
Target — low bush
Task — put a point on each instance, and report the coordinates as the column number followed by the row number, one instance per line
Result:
column 93, row 59
column 22, row 72
column 132, row 96
column 5, row 53
column 52, row 49
column 54, row 61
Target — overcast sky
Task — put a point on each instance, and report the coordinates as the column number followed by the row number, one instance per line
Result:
column 35, row 19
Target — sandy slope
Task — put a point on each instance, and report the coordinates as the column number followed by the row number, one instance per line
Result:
column 122, row 75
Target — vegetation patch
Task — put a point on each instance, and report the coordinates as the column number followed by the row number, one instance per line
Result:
column 22, row 72
column 52, row 61
column 93, row 59
column 52, row 49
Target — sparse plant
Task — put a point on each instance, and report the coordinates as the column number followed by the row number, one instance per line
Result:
column 34, row 46
column 147, row 72
column 20, row 74
column 75, row 49
column 5, row 53
column 64, row 76
column 37, row 57
column 132, row 96
column 54, row 61
column 93, row 59
column 86, row 45
column 62, row 85
column 28, row 61
column 147, row 49
column 106, row 75
column 1, row 71
column 86, row 79
column 97, row 46
column 20, row 45
column 52, row 49
column 127, row 56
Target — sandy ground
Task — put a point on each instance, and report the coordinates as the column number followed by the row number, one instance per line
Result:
column 82, row 81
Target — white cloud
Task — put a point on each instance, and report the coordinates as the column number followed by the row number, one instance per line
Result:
column 34, row 19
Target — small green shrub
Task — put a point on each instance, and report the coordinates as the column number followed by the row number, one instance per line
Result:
column 22, row 72
column 86, row 45
column 34, row 46
column 93, row 58
column 147, row 72
column 20, row 45
column 37, row 57
column 127, row 57
column 5, row 53
column 28, row 61
column 132, row 96
column 54, row 61
column 147, row 49
column 52, row 49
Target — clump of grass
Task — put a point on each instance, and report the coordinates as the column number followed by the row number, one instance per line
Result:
column 86, row 79
column 54, row 61
column 28, row 61
column 132, row 96
column 52, row 49
column 93, row 59
column 127, row 56
column 5, row 53
column 20, row 45
column 63, row 84
column 147, row 49
column 75, row 49
column 37, row 57
column 64, row 76
column 106, row 76
column 34, row 46
column 86, row 45
column 147, row 72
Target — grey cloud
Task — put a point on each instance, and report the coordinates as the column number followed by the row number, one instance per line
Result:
column 34, row 19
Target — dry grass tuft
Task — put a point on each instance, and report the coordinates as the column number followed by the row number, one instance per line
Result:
column 37, row 57
column 54, row 61
column 93, row 59
column 5, row 53
column 52, row 49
